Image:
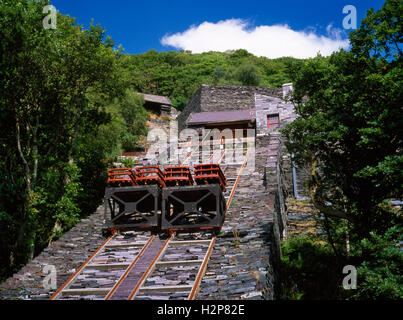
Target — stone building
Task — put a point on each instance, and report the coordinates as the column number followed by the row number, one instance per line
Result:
column 229, row 106
column 159, row 105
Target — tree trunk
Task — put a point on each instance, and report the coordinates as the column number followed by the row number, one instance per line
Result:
column 318, row 202
column 23, row 237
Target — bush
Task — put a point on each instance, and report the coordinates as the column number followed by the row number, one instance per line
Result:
column 248, row 75
column 127, row 162
column 380, row 273
column 55, row 206
column 309, row 270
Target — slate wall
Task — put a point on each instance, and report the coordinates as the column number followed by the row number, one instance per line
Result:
column 268, row 105
column 193, row 106
column 230, row 97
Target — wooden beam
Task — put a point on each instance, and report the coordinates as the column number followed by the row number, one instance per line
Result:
column 108, row 265
column 187, row 242
column 150, row 268
column 184, row 288
column 128, row 269
column 178, row 263
column 124, row 245
column 85, row 291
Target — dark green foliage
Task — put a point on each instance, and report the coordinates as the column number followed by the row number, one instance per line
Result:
column 93, row 180
column 380, row 274
column 248, row 75
column 350, row 134
column 132, row 112
column 309, row 270
column 48, row 82
column 351, row 125
column 381, row 32
column 55, row 204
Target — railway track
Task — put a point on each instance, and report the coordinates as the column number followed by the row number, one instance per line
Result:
column 135, row 265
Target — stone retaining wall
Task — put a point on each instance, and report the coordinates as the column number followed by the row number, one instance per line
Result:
column 66, row 254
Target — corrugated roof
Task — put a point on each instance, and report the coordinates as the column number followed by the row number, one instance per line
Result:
column 222, row 116
column 156, row 99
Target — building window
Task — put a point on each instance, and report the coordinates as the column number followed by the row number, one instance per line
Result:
column 273, row 121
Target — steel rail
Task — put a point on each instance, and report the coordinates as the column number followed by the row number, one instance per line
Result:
column 237, row 179
column 157, row 263
column 221, row 157
column 74, row 276
column 202, row 270
column 211, row 157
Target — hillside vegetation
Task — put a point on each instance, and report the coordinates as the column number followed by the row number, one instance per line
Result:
column 179, row 74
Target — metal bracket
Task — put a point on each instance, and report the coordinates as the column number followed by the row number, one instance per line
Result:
column 192, row 207
column 132, row 207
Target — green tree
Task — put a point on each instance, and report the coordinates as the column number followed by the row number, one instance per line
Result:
column 350, row 135
column 248, row 74
column 133, row 117
column 218, row 74
column 380, row 34
column 47, row 78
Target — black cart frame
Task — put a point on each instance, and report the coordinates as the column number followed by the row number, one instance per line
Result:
column 132, row 207
column 190, row 208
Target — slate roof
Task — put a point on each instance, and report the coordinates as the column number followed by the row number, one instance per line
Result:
column 156, row 99
column 221, row 116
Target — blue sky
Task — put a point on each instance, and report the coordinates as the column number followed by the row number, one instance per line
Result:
column 141, row 25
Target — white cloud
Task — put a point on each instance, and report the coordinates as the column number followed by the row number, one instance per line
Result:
column 269, row 41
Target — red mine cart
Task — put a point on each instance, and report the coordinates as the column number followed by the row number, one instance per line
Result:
column 150, row 175
column 178, row 176
column 209, row 174
column 121, row 177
